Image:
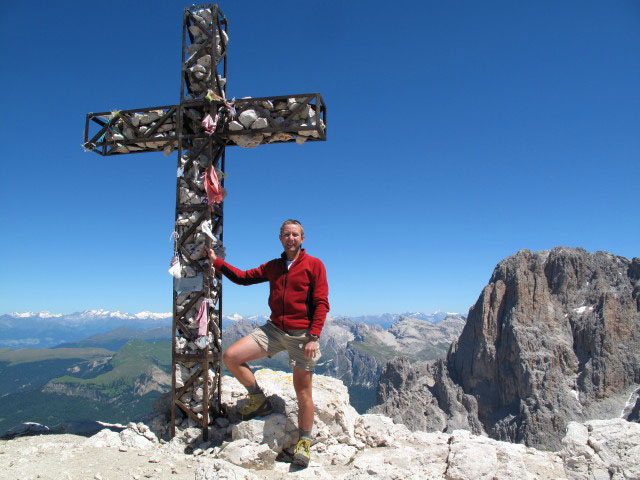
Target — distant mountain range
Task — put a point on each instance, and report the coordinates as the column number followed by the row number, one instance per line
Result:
column 116, row 375
column 385, row 320
column 48, row 330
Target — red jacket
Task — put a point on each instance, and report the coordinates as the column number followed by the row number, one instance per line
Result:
column 298, row 296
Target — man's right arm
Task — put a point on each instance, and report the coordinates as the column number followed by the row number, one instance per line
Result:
column 241, row 277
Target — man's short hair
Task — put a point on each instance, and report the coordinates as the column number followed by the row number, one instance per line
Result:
column 291, row 221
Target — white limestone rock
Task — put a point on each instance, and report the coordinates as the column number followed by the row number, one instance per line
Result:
column 235, row 126
column 335, row 418
column 378, row 431
column 338, row 454
column 247, row 117
column 222, row 470
column 205, row 61
column 181, row 344
column 138, row 436
column 309, row 133
column 478, row 457
column 148, row 117
column 280, row 137
column 270, row 430
column 248, row 454
column 104, row 438
column 260, row 123
column 602, row 449
column 247, row 141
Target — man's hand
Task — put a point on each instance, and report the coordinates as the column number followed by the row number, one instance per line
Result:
column 311, row 349
column 211, row 254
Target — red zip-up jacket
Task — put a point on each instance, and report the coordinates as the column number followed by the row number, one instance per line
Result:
column 298, row 296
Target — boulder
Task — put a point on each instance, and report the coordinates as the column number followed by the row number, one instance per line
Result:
column 272, row 430
column 602, row 449
column 247, row 454
column 335, row 418
column 247, row 118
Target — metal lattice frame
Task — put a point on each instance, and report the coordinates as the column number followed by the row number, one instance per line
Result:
column 196, row 372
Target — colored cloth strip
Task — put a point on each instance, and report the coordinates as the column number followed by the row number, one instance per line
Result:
column 212, row 186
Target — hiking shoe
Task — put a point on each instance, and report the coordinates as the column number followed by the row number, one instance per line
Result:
column 255, row 406
column 302, row 453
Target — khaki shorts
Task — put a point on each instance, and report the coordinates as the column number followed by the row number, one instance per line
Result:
column 274, row 340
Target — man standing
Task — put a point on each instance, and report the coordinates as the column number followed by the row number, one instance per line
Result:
column 298, row 298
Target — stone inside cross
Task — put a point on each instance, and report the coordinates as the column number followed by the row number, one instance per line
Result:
column 199, row 128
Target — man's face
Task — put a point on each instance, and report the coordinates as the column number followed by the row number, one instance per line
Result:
column 291, row 238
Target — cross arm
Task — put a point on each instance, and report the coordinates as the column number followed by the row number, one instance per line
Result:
column 247, row 122
column 280, row 119
column 131, row 131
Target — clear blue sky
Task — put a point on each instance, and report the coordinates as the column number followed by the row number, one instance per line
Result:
column 458, row 133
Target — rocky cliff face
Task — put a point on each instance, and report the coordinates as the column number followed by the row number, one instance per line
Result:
column 554, row 337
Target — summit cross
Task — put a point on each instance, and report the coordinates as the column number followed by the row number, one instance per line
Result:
column 199, row 128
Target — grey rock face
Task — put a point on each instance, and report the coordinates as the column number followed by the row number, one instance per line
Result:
column 414, row 394
column 554, row 337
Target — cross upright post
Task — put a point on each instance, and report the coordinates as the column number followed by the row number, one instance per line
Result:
column 199, row 128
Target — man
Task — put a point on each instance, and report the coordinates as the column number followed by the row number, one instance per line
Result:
column 298, row 298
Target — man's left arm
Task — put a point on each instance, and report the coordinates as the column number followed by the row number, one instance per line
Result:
column 320, row 298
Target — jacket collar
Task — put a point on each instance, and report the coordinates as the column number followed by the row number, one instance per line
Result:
column 301, row 255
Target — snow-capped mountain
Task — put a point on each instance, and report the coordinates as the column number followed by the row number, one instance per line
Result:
column 44, row 314
column 236, row 317
column 89, row 315
column 385, row 320
column 46, row 329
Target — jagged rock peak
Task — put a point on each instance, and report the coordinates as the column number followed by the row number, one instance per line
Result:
column 553, row 337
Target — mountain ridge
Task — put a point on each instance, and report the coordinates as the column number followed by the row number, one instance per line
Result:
column 553, row 337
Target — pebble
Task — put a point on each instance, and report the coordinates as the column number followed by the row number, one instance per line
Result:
column 123, row 449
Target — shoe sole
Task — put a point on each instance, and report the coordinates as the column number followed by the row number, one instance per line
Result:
column 300, row 460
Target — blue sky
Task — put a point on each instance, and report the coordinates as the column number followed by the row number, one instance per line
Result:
column 459, row 132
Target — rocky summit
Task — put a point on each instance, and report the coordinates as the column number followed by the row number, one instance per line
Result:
column 347, row 446
column 553, row 337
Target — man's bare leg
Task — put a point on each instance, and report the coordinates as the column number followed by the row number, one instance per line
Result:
column 236, row 356
column 302, row 383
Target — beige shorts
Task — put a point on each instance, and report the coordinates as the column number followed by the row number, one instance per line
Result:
column 274, row 340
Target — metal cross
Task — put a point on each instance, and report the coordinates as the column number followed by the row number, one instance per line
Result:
column 200, row 128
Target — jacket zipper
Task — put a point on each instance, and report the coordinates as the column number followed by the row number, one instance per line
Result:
column 284, row 291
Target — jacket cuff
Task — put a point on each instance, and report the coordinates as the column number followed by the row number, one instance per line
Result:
column 218, row 263
column 315, row 330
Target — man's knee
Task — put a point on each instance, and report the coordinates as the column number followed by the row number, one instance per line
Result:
column 233, row 356
column 242, row 351
column 227, row 358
